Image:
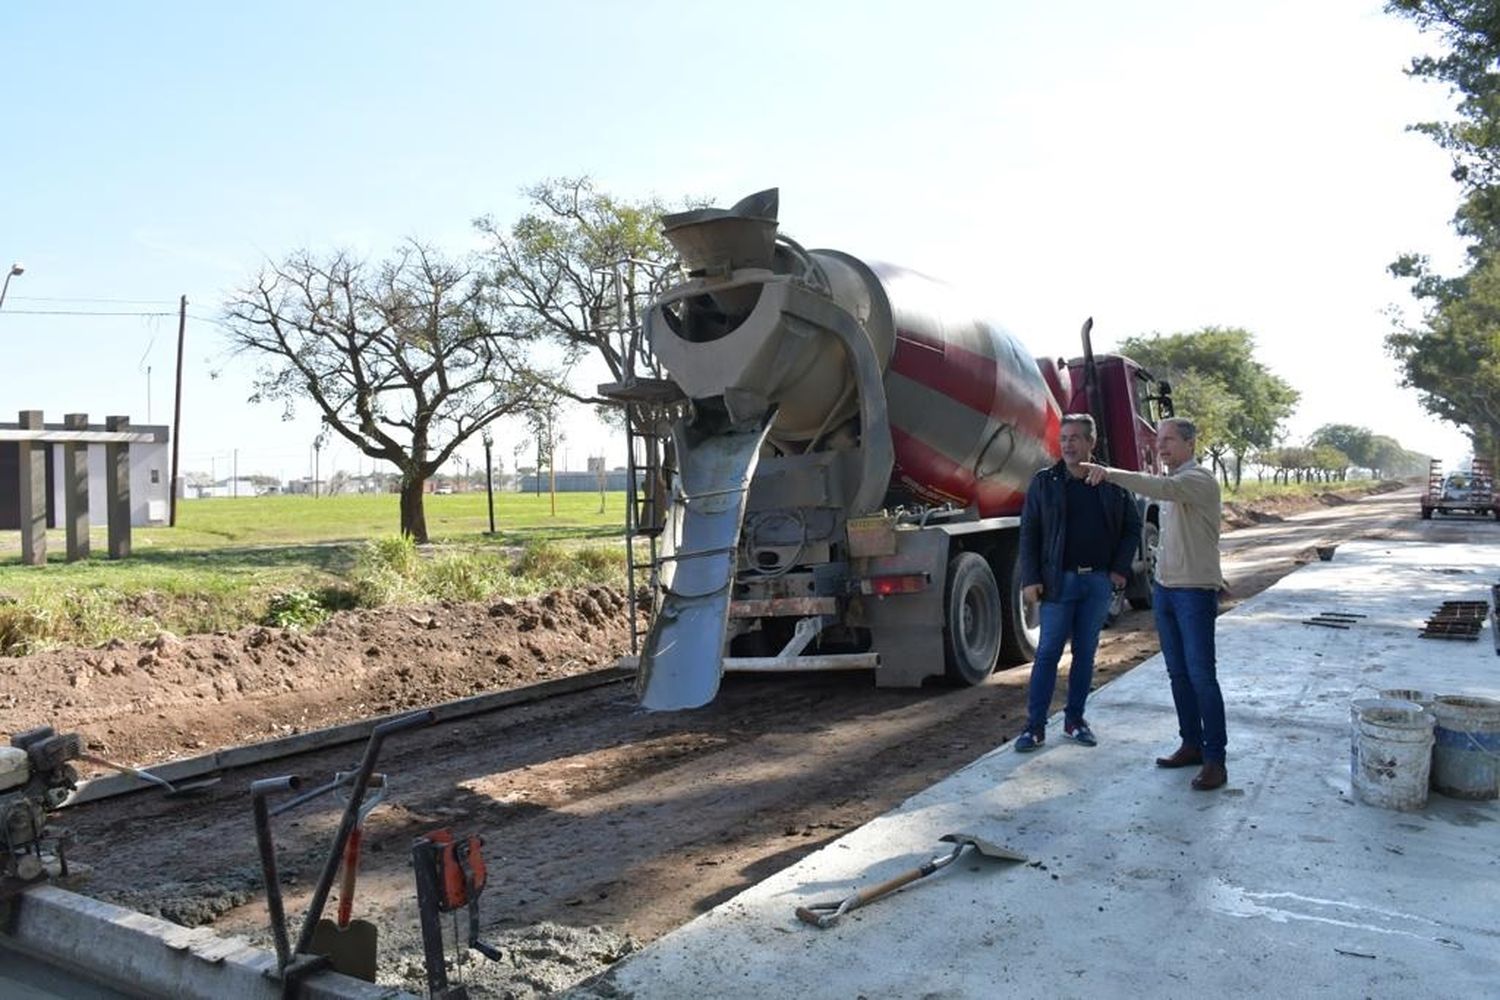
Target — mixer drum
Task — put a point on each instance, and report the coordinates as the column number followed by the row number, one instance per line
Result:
column 971, row 417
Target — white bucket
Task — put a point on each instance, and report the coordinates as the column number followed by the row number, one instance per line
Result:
column 1391, row 753
column 1423, row 698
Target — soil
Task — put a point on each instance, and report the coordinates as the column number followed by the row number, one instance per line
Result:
column 170, row 696
column 605, row 826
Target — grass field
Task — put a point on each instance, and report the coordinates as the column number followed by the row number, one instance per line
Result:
column 293, row 559
column 228, row 560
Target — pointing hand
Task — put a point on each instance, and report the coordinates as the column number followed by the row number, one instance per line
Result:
column 1093, row 474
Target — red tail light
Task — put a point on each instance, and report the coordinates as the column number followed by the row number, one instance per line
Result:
column 901, row 583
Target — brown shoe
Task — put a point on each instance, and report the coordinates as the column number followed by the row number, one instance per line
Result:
column 1212, row 776
column 1183, row 756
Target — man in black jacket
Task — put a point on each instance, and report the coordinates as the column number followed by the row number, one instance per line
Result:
column 1077, row 545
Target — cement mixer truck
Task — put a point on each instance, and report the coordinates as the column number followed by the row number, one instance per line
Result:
column 845, row 481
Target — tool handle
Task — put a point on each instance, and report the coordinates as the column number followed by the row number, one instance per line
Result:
column 889, row 886
column 346, row 886
column 133, row 772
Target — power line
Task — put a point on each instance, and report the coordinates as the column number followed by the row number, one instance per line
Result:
column 68, row 298
column 79, row 312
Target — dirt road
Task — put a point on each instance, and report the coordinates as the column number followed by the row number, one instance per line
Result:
column 604, row 823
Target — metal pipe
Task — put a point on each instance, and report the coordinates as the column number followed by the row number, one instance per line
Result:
column 258, row 792
column 424, row 855
column 351, row 813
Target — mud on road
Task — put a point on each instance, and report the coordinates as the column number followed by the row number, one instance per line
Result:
column 604, row 825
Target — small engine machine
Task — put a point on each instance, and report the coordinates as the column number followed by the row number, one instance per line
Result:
column 36, row 776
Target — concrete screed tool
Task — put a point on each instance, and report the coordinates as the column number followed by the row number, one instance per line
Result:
column 828, row 914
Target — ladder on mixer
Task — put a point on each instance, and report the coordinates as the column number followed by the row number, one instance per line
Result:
column 651, row 403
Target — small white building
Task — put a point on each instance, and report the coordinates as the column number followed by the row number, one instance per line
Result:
column 150, row 471
column 228, row 488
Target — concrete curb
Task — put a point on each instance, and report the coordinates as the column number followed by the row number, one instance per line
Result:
column 107, row 945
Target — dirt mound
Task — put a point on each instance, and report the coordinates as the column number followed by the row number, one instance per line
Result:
column 173, row 695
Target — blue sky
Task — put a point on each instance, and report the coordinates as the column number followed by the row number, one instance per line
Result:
column 1158, row 165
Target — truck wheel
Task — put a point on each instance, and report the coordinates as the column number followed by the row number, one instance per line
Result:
column 1116, row 608
column 971, row 619
column 1427, row 513
column 1023, row 623
column 1150, row 541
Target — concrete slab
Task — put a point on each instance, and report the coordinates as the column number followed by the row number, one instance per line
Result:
column 1281, row 883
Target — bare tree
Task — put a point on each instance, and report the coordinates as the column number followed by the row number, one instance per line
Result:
column 404, row 359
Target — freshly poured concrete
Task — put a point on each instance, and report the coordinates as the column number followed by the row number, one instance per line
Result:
column 1280, row 883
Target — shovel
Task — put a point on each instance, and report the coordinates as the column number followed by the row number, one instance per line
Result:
column 191, row 786
column 351, row 946
column 828, row 914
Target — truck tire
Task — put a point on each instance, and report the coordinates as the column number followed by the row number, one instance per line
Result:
column 1427, row 513
column 971, row 619
column 1023, row 628
column 1150, row 541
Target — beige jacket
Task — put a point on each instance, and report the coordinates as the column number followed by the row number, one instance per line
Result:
column 1189, row 550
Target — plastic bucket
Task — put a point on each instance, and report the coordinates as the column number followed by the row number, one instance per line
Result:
column 1466, row 752
column 1391, row 753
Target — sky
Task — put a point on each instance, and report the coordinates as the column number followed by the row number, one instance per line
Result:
column 1160, row 166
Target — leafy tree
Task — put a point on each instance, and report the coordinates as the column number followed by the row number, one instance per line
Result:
column 1252, row 401
column 1330, row 462
column 1387, row 458
column 1353, row 441
column 1453, row 357
column 554, row 272
column 404, row 359
column 1470, row 31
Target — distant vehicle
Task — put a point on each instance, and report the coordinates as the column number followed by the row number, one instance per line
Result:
column 1471, row 492
column 1458, row 487
column 443, row 491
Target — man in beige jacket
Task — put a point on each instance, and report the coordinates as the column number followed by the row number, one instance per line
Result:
column 1185, row 595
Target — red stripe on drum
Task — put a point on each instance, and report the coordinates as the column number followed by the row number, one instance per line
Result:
column 935, row 478
column 958, row 373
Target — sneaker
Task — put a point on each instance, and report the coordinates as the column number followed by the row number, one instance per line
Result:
column 1080, row 733
column 1030, row 740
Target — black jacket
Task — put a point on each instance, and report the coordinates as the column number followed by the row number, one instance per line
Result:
column 1046, row 514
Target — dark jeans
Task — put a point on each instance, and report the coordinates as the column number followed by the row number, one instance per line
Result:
column 1077, row 614
column 1185, row 624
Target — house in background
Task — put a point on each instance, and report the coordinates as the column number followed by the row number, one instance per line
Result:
column 241, row 487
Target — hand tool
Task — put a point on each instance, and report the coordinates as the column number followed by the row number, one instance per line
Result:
column 828, row 914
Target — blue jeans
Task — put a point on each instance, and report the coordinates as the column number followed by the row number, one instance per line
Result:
column 1077, row 613
column 1185, row 624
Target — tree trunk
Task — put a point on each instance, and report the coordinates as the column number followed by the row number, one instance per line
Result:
column 413, row 517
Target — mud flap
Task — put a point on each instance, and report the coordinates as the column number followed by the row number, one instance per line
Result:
column 682, row 658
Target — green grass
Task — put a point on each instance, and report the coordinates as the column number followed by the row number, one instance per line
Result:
column 290, row 560
column 286, row 560
column 1252, row 489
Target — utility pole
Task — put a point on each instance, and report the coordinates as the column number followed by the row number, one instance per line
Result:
column 177, row 409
